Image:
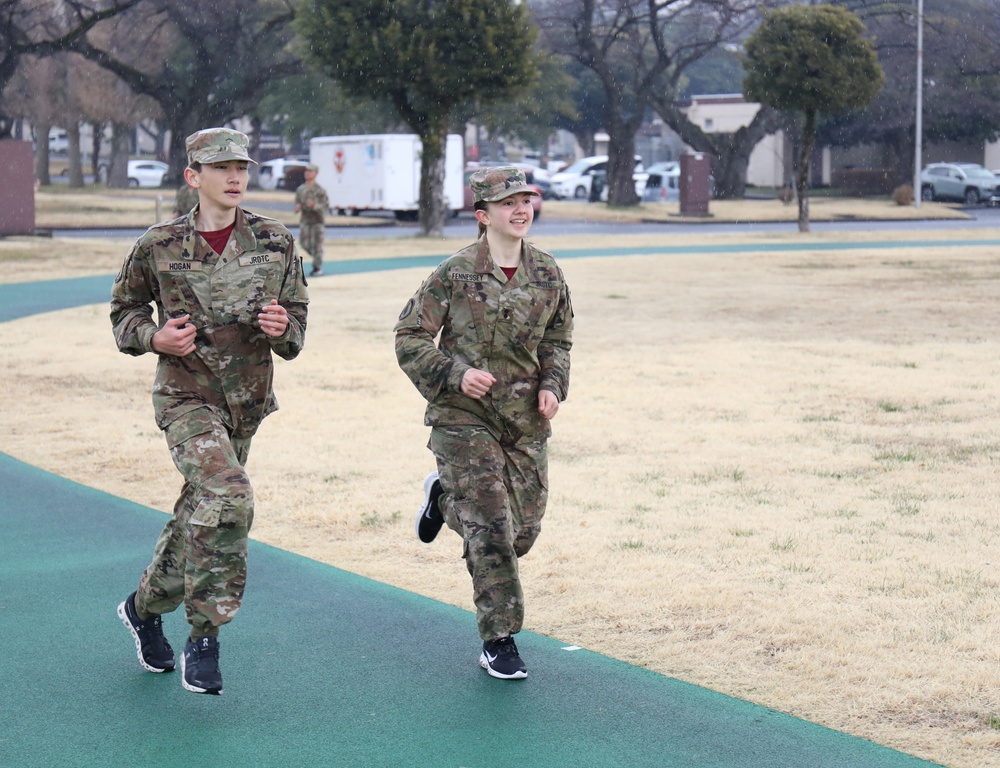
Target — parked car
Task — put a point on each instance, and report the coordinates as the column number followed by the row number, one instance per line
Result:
column 536, row 200
column 540, row 178
column 576, row 180
column 966, row 182
column 664, row 182
column 283, row 172
column 146, row 173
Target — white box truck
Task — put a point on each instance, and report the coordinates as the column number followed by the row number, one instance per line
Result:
column 381, row 172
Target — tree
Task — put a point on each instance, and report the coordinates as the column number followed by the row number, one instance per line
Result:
column 65, row 89
column 32, row 27
column 532, row 114
column 427, row 57
column 204, row 64
column 719, row 70
column 639, row 50
column 810, row 59
column 961, row 65
column 588, row 98
column 310, row 104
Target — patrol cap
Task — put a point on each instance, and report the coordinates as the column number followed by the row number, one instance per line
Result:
column 492, row 184
column 216, row 145
column 312, row 167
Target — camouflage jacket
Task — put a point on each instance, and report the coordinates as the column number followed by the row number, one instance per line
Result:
column 231, row 369
column 520, row 330
column 316, row 193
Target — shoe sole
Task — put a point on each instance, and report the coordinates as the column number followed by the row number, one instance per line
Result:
column 485, row 664
column 425, row 508
column 138, row 643
column 194, row 688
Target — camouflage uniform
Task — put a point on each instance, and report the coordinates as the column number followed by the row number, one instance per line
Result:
column 311, row 224
column 209, row 403
column 185, row 199
column 491, row 453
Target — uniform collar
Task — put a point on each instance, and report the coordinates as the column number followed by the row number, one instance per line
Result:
column 245, row 238
column 485, row 263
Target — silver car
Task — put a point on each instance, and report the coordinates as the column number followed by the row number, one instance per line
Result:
column 966, row 182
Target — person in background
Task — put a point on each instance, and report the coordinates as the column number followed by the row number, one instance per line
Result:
column 229, row 293
column 501, row 314
column 185, row 199
column 312, row 204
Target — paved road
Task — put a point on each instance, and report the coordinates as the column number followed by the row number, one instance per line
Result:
column 465, row 226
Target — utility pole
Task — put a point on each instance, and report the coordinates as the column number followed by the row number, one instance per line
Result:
column 919, row 128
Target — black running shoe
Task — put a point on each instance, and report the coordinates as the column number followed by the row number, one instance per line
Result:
column 200, row 666
column 429, row 517
column 500, row 659
column 152, row 648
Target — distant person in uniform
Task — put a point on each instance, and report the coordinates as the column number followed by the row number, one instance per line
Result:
column 185, row 199
column 312, row 203
column 486, row 340
column 229, row 293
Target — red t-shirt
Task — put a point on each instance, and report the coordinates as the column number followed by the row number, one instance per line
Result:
column 218, row 238
column 509, row 271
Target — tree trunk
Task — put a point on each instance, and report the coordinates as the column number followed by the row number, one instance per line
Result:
column 621, row 168
column 97, row 133
column 730, row 172
column 42, row 152
column 802, row 179
column 730, row 152
column 118, row 164
column 256, row 126
column 432, row 165
column 73, row 155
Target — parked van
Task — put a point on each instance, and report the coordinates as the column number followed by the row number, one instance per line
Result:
column 58, row 141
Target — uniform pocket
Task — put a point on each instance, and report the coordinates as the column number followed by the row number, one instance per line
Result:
column 219, row 513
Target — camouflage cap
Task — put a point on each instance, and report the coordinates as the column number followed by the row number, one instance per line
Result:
column 312, row 167
column 492, row 184
column 216, row 145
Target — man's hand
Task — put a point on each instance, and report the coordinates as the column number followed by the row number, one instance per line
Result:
column 273, row 319
column 175, row 338
column 548, row 403
column 476, row 383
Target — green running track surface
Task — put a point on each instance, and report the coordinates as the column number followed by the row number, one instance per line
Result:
column 322, row 667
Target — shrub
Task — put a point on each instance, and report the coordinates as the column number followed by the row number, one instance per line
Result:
column 903, row 194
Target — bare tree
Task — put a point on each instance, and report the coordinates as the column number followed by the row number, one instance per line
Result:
column 639, row 50
column 209, row 62
column 43, row 27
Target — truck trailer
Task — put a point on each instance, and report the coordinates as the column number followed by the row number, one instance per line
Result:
column 381, row 172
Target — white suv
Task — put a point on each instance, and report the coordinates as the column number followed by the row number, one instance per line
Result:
column 967, row 182
column 575, row 181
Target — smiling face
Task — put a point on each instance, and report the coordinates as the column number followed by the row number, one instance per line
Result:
column 510, row 217
column 220, row 185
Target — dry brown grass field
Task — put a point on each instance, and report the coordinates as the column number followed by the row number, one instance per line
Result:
column 776, row 474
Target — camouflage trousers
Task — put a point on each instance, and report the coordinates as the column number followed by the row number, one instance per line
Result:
column 200, row 557
column 494, row 496
column 311, row 239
